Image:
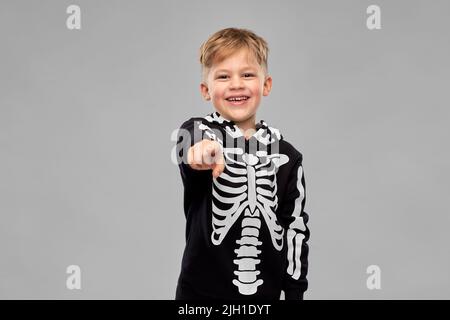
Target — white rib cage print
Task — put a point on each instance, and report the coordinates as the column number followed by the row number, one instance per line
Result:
column 247, row 186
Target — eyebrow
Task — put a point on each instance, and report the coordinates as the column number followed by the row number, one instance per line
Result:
column 245, row 68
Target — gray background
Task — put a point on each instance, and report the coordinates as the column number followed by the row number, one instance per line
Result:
column 86, row 119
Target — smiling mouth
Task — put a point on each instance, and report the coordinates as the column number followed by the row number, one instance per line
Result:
column 238, row 100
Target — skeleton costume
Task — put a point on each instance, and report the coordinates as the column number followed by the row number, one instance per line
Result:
column 246, row 231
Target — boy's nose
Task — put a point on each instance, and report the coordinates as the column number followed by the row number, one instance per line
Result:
column 236, row 83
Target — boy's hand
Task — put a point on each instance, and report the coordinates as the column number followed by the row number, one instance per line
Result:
column 205, row 155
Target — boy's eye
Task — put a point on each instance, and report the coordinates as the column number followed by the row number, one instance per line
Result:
column 246, row 75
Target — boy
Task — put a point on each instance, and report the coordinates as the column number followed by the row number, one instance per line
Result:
column 246, row 233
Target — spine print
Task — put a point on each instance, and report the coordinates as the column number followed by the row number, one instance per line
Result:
column 247, row 254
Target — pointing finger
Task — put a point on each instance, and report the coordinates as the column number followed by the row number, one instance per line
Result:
column 218, row 169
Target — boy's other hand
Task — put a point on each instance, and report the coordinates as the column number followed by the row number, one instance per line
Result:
column 205, row 155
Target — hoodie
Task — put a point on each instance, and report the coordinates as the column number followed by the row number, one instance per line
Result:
column 246, row 230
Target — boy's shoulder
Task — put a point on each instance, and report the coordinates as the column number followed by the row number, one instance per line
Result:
column 190, row 122
column 193, row 119
column 287, row 148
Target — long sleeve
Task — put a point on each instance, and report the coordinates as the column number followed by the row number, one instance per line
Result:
column 295, row 219
column 188, row 135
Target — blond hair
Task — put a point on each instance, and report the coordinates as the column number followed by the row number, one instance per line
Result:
column 226, row 42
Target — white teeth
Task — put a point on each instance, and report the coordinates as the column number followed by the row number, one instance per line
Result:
column 237, row 99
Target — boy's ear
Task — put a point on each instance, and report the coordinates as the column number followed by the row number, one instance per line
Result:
column 267, row 86
column 205, row 91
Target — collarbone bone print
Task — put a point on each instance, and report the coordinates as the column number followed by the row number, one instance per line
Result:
column 247, row 185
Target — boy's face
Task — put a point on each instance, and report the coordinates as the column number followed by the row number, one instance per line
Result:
column 237, row 76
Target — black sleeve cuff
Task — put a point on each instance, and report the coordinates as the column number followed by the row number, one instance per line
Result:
column 293, row 294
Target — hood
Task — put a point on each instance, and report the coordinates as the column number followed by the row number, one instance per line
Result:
column 264, row 133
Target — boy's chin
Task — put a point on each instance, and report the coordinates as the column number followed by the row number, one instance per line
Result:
column 236, row 115
column 232, row 117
